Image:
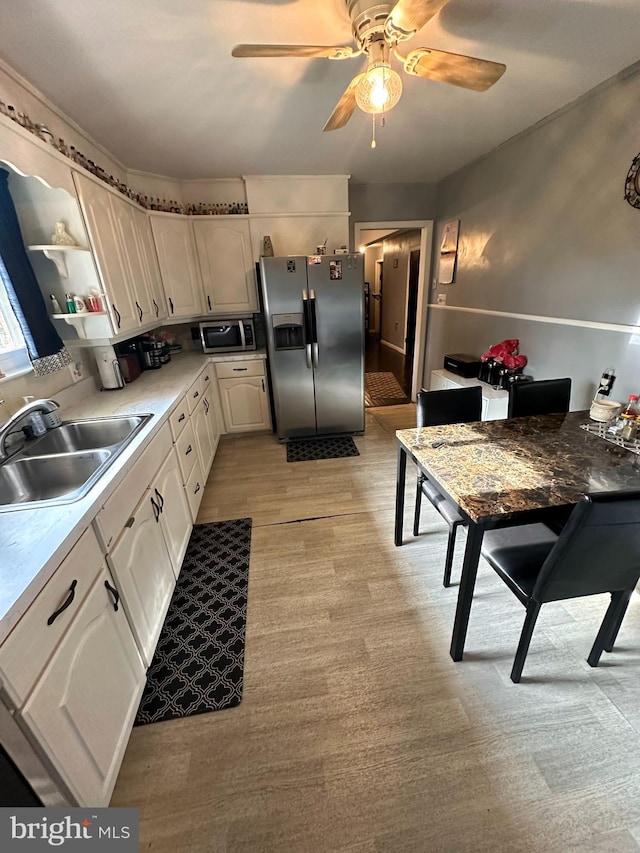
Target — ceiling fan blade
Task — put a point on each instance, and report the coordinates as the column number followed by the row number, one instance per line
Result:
column 345, row 106
column 309, row 51
column 454, row 68
column 409, row 16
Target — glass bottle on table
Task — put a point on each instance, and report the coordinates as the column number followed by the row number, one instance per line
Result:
column 629, row 418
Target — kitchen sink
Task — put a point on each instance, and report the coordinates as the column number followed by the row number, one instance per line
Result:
column 46, row 478
column 65, row 463
column 85, row 435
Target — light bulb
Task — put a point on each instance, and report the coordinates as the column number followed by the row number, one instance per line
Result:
column 379, row 90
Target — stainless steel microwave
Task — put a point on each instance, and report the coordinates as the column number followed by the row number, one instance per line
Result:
column 234, row 335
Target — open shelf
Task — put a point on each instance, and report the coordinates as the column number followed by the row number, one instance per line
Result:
column 56, row 253
column 88, row 325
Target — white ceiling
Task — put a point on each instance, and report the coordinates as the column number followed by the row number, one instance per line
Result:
column 154, row 81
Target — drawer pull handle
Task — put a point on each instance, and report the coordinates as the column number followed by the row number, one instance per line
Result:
column 114, row 592
column 197, row 489
column 206, row 378
column 196, row 394
column 188, row 450
column 205, row 403
column 160, row 498
column 156, row 510
column 262, row 385
column 131, row 521
column 65, row 604
column 239, row 369
column 181, row 418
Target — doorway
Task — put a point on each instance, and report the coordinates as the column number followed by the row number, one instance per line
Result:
column 409, row 349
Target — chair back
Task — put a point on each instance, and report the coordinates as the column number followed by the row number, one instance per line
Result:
column 453, row 406
column 544, row 397
column 597, row 551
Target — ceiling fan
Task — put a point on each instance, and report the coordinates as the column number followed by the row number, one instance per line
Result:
column 378, row 29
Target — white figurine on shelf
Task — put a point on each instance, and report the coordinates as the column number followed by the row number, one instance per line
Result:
column 62, row 236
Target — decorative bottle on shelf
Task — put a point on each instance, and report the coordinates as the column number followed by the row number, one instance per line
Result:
column 55, row 305
column 71, row 307
column 629, row 418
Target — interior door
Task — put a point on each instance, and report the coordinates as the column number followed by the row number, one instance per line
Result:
column 337, row 283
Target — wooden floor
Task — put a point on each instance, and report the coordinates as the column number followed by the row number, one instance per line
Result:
column 357, row 732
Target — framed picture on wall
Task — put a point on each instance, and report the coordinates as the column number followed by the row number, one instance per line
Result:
column 448, row 251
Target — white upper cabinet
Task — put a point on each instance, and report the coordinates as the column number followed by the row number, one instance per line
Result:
column 131, row 244
column 154, row 282
column 108, row 251
column 226, row 264
column 178, row 265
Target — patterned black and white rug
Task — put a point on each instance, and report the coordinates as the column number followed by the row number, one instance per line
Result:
column 198, row 664
column 321, row 448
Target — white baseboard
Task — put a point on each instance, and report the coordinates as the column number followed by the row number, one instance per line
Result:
column 392, row 346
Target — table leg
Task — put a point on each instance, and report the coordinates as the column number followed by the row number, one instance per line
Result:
column 475, row 535
column 400, row 480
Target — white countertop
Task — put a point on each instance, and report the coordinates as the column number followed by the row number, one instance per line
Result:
column 488, row 391
column 34, row 541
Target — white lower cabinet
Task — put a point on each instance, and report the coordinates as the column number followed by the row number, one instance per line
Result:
column 175, row 516
column 201, row 427
column 141, row 566
column 82, row 709
column 494, row 402
column 245, row 404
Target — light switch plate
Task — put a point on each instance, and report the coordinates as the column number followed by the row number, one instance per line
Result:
column 442, row 299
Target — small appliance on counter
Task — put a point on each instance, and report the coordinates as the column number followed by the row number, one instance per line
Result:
column 108, row 368
column 228, row 335
column 462, row 364
column 128, row 360
column 150, row 353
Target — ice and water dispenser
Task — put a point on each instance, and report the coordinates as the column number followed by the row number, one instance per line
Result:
column 288, row 331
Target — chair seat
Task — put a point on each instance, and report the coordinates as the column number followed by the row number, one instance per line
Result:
column 446, row 509
column 517, row 554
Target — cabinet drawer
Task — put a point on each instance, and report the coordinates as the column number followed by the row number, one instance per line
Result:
column 32, row 642
column 195, row 488
column 178, row 418
column 116, row 511
column 196, row 391
column 187, row 451
column 238, row 369
column 206, row 376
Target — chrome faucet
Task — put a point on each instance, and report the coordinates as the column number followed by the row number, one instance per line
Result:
column 46, row 406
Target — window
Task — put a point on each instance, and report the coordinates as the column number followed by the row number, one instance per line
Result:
column 14, row 358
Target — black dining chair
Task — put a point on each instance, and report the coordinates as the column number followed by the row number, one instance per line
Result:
column 597, row 551
column 544, row 397
column 434, row 408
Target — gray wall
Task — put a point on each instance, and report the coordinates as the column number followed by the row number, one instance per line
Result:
column 390, row 202
column 545, row 230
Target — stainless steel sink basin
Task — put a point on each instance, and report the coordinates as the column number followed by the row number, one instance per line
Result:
column 85, row 435
column 65, row 463
column 45, row 478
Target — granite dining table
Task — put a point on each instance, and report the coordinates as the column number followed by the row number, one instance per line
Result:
column 510, row 472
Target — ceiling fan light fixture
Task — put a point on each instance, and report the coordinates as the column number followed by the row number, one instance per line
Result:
column 379, row 90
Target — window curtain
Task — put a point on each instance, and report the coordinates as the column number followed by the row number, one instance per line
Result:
column 46, row 350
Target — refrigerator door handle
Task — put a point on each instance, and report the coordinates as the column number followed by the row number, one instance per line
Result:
column 307, row 327
column 314, row 327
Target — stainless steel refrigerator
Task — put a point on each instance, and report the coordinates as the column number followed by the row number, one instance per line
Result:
column 314, row 318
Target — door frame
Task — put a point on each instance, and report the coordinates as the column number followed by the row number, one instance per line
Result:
column 424, row 275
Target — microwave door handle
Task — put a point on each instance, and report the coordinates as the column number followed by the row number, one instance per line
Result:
column 242, row 337
column 314, row 328
column 307, row 327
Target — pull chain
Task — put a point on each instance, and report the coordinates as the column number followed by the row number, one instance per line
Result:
column 373, row 134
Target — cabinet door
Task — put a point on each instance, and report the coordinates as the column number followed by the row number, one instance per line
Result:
column 107, row 251
column 226, row 264
column 178, row 266
column 175, row 517
column 141, row 566
column 245, row 404
column 154, row 282
column 201, row 428
column 438, row 383
column 82, row 709
column 127, row 227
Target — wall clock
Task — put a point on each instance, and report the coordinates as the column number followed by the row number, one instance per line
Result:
column 632, row 183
